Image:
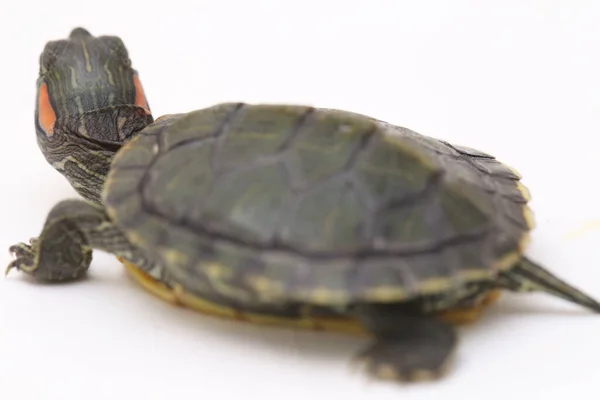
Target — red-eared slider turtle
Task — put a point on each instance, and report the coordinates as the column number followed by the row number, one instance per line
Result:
column 279, row 214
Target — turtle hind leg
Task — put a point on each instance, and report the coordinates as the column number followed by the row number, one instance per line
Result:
column 408, row 345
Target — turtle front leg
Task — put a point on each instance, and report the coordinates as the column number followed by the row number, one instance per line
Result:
column 63, row 251
column 408, row 345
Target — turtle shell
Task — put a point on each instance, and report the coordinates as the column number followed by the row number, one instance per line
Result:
column 277, row 203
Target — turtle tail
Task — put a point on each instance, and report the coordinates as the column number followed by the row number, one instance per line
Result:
column 528, row 276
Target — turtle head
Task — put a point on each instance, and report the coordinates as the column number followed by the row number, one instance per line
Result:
column 89, row 101
column 85, row 80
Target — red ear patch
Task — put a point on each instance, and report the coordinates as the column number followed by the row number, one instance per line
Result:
column 140, row 96
column 46, row 116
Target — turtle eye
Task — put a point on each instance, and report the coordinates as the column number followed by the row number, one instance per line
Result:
column 140, row 96
column 46, row 114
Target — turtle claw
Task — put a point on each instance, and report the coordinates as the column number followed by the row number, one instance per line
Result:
column 22, row 250
column 10, row 266
column 25, row 256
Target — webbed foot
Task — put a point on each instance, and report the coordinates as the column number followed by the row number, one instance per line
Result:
column 61, row 252
column 37, row 260
column 407, row 347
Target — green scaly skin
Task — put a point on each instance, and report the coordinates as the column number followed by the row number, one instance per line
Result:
column 91, row 89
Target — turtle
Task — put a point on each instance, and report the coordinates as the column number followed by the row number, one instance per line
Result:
column 280, row 214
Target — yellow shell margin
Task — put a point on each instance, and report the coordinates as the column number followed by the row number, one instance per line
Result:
column 178, row 296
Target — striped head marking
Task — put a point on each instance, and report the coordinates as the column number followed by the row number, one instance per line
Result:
column 87, row 87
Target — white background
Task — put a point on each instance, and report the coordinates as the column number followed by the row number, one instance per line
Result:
column 519, row 79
